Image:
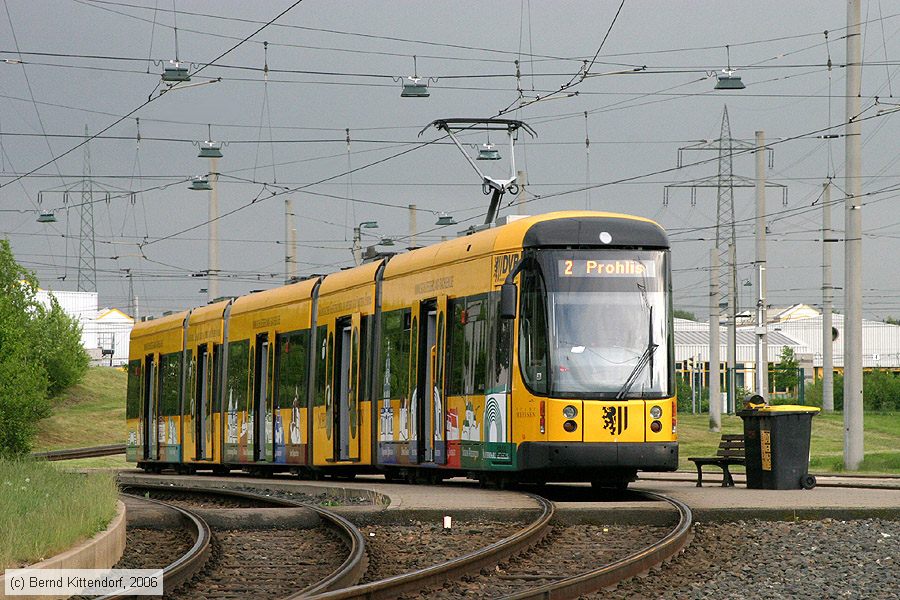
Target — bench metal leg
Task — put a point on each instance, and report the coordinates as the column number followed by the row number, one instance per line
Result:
column 727, row 480
column 699, row 476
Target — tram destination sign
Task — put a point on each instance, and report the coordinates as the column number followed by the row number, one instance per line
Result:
column 606, row 268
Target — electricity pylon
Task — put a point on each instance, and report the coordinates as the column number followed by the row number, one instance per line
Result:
column 726, row 240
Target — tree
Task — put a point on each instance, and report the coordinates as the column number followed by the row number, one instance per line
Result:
column 23, row 380
column 60, row 350
column 40, row 354
column 892, row 320
column 785, row 375
column 684, row 314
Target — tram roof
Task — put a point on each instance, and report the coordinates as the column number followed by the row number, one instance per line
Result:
column 288, row 294
column 210, row 312
column 166, row 323
column 557, row 228
column 350, row 278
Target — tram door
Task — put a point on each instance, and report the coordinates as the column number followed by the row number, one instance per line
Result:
column 346, row 384
column 429, row 409
column 151, row 442
column 262, row 415
column 438, row 354
column 201, row 406
column 214, row 402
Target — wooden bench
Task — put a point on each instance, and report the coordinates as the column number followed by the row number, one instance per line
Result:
column 730, row 452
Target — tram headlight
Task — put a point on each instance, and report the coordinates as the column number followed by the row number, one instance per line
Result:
column 570, row 412
column 656, row 412
column 570, row 426
column 655, row 426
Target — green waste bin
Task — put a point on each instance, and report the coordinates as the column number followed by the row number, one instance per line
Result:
column 776, row 446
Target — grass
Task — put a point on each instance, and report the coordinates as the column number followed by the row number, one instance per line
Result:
column 881, row 441
column 44, row 511
column 91, row 413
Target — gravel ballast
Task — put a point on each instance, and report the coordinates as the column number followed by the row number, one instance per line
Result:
column 766, row 559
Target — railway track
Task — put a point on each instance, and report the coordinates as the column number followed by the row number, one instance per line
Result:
column 473, row 562
column 624, row 568
column 435, row 581
column 76, row 453
column 190, row 563
column 250, row 563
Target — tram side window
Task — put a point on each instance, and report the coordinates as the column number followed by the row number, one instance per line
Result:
column 395, row 347
column 498, row 376
column 238, row 371
column 191, row 382
column 533, row 332
column 321, row 358
column 169, row 383
column 133, row 393
column 467, row 346
column 290, row 361
column 364, row 359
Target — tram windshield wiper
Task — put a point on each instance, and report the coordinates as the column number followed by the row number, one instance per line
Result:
column 645, row 359
column 642, row 363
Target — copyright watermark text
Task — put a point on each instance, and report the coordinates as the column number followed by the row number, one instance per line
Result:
column 87, row 582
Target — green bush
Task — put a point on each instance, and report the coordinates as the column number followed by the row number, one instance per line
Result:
column 60, row 349
column 881, row 390
column 683, row 394
column 40, row 355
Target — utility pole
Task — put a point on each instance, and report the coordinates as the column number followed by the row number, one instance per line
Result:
column 827, row 304
column 762, row 342
column 522, row 180
column 853, row 375
column 290, row 241
column 212, row 274
column 412, row 226
column 357, row 245
column 715, row 394
column 731, row 335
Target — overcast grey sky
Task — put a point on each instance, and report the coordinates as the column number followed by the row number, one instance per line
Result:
column 333, row 66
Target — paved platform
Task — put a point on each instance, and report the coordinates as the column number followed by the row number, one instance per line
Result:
column 831, row 498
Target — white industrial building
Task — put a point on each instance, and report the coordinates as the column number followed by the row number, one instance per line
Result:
column 799, row 328
column 104, row 332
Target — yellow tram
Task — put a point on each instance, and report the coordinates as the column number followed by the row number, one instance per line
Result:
column 540, row 350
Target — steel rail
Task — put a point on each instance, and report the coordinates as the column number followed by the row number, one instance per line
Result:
column 74, row 453
column 345, row 576
column 490, row 555
column 188, row 564
column 620, row 570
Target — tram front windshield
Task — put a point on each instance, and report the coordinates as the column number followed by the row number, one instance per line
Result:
column 607, row 323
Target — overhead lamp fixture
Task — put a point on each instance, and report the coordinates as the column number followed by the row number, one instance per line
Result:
column 415, row 86
column 46, row 217
column 728, row 80
column 209, row 148
column 175, row 72
column 488, row 152
column 200, row 183
column 368, row 225
column 445, row 219
column 386, row 241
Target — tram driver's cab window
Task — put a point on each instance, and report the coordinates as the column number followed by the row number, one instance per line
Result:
column 533, row 332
